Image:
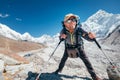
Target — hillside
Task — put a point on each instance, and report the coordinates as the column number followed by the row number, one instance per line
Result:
column 113, row 39
column 10, row 47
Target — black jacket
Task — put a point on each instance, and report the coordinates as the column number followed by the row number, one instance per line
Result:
column 75, row 38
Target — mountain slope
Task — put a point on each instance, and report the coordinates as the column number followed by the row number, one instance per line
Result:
column 12, row 34
column 113, row 39
column 102, row 23
column 11, row 47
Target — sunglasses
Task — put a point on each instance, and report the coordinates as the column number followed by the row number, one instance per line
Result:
column 71, row 20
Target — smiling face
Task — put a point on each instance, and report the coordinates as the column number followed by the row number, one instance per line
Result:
column 70, row 24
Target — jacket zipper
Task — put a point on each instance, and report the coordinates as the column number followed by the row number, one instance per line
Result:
column 72, row 38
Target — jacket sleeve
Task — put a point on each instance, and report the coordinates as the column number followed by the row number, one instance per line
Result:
column 62, row 32
column 84, row 34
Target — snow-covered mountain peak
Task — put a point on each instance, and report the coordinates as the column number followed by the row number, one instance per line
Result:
column 103, row 12
column 101, row 22
column 27, row 36
column 12, row 34
column 7, row 32
column 99, row 15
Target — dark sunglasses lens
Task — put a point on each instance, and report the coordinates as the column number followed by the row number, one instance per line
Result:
column 74, row 20
column 68, row 21
column 71, row 20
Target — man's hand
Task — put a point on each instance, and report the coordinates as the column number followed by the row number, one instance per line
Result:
column 91, row 35
column 63, row 37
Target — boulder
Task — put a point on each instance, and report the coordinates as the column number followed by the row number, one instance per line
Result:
column 1, row 69
column 113, row 72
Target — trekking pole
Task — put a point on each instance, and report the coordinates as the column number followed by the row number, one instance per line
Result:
column 103, row 51
column 55, row 49
column 37, row 78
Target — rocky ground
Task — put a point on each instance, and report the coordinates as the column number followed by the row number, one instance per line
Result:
column 73, row 70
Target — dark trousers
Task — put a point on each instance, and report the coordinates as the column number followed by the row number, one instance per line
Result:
column 84, row 58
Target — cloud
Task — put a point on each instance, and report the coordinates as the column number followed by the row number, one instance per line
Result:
column 4, row 15
column 18, row 19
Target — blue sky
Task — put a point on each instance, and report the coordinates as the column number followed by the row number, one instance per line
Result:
column 40, row 17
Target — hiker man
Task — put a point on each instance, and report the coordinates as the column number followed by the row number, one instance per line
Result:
column 72, row 34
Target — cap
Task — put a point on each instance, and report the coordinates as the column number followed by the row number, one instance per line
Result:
column 68, row 16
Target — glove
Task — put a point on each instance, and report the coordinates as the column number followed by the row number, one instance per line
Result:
column 91, row 35
column 63, row 37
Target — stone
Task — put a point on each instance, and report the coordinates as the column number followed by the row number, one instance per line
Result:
column 113, row 72
column 1, row 69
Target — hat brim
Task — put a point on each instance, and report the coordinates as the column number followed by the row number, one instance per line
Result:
column 68, row 17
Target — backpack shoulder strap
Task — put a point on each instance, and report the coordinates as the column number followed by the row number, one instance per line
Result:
column 76, row 36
